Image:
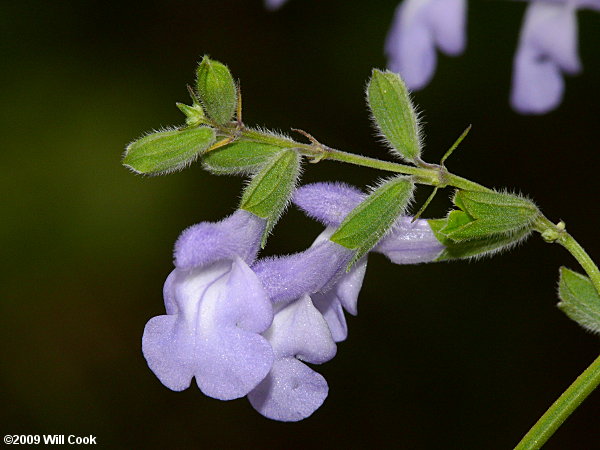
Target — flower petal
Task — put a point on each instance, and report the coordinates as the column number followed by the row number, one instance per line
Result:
column 299, row 330
column 168, row 353
column 330, row 307
column 286, row 278
column 418, row 27
column 274, row 4
column 448, row 24
column 348, row 287
column 591, row 4
column 410, row 242
column 233, row 358
column 291, row 392
column 409, row 46
column 245, row 303
column 547, row 46
column 232, row 363
column 214, row 333
column 169, row 293
column 329, row 203
column 206, row 242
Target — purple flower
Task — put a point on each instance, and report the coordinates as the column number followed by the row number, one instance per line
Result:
column 292, row 391
column 274, row 4
column 342, row 296
column 547, row 48
column 241, row 327
column 418, row 29
column 300, row 332
column 310, row 291
column 407, row 243
column 216, row 309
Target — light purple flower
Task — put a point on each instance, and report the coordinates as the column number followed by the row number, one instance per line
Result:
column 310, row 291
column 216, row 309
column 419, row 28
column 547, row 48
column 274, row 4
column 241, row 327
column 343, row 296
column 407, row 243
column 292, row 391
column 300, row 332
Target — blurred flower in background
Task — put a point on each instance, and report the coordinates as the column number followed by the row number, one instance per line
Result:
column 547, row 46
column 421, row 27
column 274, row 4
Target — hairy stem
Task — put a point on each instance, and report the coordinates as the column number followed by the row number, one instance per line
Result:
column 436, row 176
column 558, row 234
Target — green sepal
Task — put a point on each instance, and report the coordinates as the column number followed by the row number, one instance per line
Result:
column 455, row 220
column 374, row 216
column 486, row 214
column 579, row 299
column 194, row 115
column 475, row 247
column 239, row 157
column 271, row 188
column 394, row 114
column 217, row 90
column 167, row 151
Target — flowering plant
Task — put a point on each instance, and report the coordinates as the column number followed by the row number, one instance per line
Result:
column 246, row 327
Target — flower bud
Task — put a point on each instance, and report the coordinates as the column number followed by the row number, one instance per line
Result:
column 167, row 151
column 216, row 90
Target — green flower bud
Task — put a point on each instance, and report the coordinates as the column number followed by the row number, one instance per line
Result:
column 217, row 90
column 394, row 114
column 167, row 151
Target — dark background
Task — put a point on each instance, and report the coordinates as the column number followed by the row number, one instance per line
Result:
column 457, row 355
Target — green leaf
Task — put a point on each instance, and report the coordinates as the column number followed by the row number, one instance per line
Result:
column 216, row 90
column 239, row 157
column 579, row 299
column 394, row 114
column 167, row 151
column 374, row 216
column 485, row 214
column 270, row 190
column 474, row 247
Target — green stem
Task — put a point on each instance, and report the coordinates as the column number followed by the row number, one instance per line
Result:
column 437, row 176
column 562, row 408
column 573, row 247
column 557, row 234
